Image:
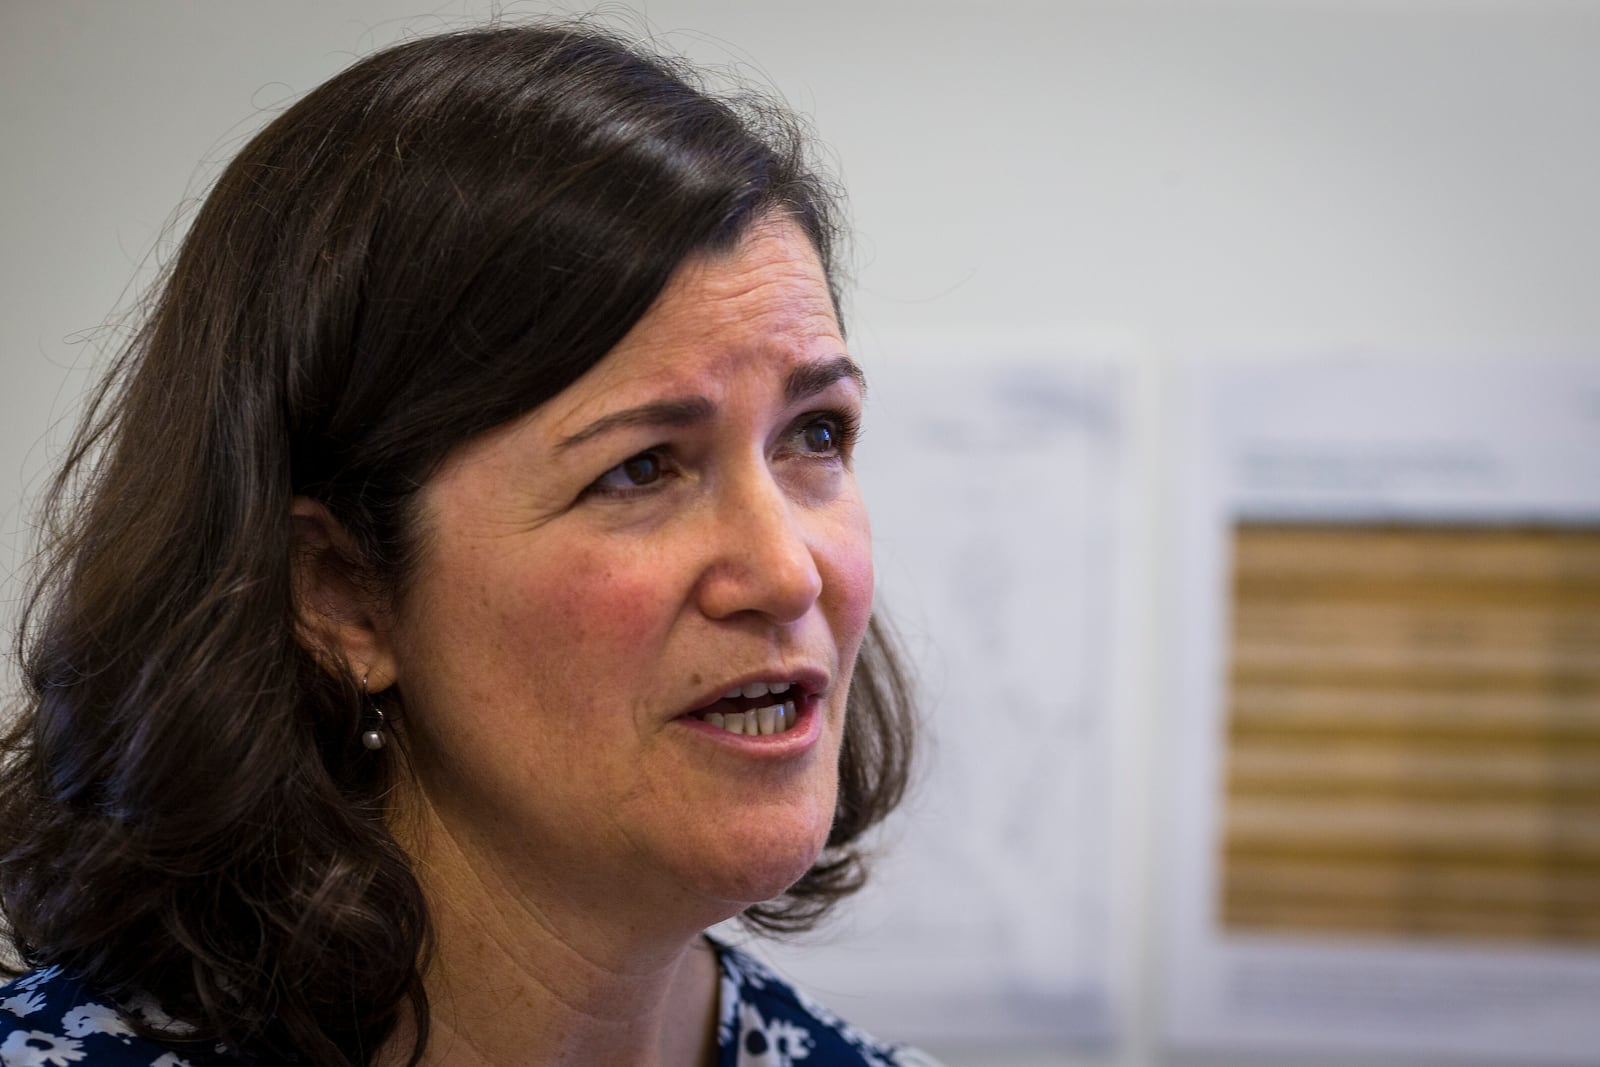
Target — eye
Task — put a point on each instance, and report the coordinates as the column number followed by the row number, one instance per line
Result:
column 636, row 472
column 819, row 436
column 641, row 470
column 825, row 435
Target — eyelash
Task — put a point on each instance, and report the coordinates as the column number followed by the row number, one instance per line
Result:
column 845, row 425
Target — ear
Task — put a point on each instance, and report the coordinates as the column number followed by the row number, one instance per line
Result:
column 341, row 620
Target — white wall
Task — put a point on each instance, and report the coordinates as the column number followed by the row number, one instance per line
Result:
column 1279, row 177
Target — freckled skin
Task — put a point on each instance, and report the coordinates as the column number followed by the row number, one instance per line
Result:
column 553, row 637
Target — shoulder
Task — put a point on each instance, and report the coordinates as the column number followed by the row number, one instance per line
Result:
column 48, row 1019
column 763, row 1021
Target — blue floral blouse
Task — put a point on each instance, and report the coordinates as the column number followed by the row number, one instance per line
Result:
column 48, row 1019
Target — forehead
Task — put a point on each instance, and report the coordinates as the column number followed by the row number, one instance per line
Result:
column 763, row 304
column 733, row 325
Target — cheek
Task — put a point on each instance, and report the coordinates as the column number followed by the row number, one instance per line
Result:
column 850, row 575
column 597, row 600
column 555, row 630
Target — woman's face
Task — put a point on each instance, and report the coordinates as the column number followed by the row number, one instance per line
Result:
column 680, row 524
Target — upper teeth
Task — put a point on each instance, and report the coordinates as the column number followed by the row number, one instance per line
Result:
column 756, row 689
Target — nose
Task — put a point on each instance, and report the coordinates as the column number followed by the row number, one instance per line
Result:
column 761, row 560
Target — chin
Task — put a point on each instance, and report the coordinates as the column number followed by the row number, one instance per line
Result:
column 753, row 863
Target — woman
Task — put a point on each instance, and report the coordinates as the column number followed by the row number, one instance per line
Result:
column 459, row 598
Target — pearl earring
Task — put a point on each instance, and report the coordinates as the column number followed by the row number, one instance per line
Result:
column 373, row 739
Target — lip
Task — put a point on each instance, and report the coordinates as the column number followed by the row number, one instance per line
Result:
column 798, row 739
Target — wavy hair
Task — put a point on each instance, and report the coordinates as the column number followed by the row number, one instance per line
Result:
column 430, row 244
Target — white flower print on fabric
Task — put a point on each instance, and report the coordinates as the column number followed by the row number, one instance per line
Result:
column 76, row 1028
column 35, row 1048
column 727, row 1002
column 760, row 976
column 779, row 1026
column 778, row 1043
column 37, row 978
column 869, row 1049
column 23, row 1004
column 792, row 1042
column 92, row 1018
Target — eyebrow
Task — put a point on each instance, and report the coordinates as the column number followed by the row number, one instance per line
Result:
column 803, row 382
column 682, row 411
column 809, row 379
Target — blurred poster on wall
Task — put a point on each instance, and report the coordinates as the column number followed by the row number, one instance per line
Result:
column 995, row 485
column 1386, row 732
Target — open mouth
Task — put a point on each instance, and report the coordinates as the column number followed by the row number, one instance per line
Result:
column 758, row 708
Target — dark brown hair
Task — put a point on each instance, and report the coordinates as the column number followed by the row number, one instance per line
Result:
column 435, row 241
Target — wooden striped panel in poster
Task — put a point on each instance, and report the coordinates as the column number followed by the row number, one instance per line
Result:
column 1414, row 733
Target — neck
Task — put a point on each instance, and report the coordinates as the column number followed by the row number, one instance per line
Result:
column 526, row 974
